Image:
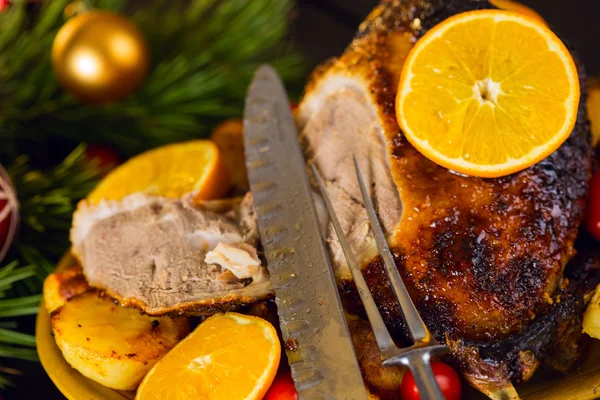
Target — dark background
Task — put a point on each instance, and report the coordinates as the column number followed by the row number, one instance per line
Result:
column 323, row 28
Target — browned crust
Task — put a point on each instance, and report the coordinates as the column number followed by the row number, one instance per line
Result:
column 481, row 257
column 495, row 245
column 72, row 282
column 229, row 302
column 61, row 286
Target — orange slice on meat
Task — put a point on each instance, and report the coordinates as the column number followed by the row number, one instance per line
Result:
column 488, row 93
column 170, row 171
column 229, row 356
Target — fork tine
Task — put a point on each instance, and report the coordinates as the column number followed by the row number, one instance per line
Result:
column 382, row 336
column 416, row 326
column 417, row 359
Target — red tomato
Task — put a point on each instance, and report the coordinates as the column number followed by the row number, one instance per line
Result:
column 282, row 388
column 445, row 376
column 593, row 210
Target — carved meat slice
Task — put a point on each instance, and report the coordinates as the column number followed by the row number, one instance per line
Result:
column 482, row 258
column 150, row 252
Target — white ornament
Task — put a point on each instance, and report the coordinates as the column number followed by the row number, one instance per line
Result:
column 10, row 211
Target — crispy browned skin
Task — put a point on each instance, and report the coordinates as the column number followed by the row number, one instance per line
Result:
column 481, row 257
column 478, row 254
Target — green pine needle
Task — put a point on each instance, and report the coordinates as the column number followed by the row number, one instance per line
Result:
column 204, row 53
column 15, row 344
column 4, row 380
column 47, row 200
column 20, row 306
column 12, row 337
column 17, row 352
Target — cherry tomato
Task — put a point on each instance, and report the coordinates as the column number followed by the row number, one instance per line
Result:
column 282, row 388
column 445, row 376
column 593, row 210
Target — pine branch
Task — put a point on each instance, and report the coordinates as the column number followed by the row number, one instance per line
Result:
column 16, row 338
column 47, row 201
column 4, row 380
column 14, row 344
column 204, row 53
column 10, row 274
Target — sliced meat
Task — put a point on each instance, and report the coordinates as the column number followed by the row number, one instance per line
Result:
column 150, row 252
column 343, row 123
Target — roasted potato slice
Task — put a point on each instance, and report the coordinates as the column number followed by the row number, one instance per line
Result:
column 59, row 287
column 111, row 344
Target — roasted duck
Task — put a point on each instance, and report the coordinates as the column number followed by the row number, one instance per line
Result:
column 484, row 259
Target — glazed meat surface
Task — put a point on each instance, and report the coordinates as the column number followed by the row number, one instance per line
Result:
column 482, row 258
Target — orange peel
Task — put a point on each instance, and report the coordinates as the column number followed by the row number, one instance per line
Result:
column 488, row 93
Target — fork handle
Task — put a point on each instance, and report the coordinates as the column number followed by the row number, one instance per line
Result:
column 425, row 379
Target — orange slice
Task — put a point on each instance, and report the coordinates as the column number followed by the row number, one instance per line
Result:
column 488, row 93
column 170, row 171
column 517, row 7
column 229, row 356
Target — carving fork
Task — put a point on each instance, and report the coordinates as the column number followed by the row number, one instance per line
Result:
column 416, row 357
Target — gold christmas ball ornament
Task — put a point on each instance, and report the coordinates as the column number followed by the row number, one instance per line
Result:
column 100, row 56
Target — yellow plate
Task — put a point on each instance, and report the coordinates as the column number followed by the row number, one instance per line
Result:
column 581, row 384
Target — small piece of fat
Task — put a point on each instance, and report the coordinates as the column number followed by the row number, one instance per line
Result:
column 240, row 259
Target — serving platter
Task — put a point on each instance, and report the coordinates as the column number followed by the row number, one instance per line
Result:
column 581, row 384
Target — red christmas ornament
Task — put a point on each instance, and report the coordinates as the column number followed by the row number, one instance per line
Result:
column 104, row 157
column 4, row 4
column 9, row 213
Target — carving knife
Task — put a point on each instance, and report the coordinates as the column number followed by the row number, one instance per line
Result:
column 319, row 347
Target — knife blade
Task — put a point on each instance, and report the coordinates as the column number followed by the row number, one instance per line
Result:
column 322, row 358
